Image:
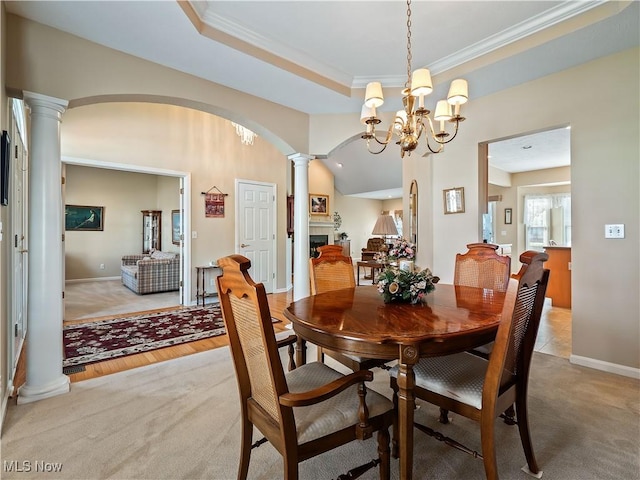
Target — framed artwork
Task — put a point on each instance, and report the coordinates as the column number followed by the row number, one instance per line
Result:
column 175, row 227
column 507, row 216
column 453, row 200
column 318, row 204
column 214, row 205
column 290, row 202
column 83, row 218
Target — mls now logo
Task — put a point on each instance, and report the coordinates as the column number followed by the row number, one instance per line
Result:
column 27, row 466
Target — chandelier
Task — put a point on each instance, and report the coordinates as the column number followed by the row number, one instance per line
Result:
column 409, row 124
column 246, row 136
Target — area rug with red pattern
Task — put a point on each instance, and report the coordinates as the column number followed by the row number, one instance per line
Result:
column 97, row 341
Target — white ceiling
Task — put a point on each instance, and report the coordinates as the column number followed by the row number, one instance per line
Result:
column 316, row 56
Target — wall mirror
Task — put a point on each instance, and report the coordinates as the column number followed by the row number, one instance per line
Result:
column 413, row 213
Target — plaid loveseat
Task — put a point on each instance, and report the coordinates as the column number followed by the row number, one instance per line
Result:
column 151, row 273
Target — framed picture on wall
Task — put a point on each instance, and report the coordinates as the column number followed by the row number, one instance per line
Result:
column 83, row 218
column 175, row 227
column 453, row 200
column 507, row 216
column 318, row 204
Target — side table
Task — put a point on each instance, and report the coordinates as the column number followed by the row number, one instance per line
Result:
column 201, row 284
column 373, row 265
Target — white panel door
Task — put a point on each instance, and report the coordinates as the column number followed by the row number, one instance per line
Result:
column 256, row 230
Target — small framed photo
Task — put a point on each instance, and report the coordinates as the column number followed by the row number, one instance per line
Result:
column 318, row 204
column 175, row 227
column 507, row 216
column 83, row 218
column 453, row 200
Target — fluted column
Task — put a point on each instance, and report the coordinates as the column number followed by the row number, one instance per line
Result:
column 301, row 286
column 45, row 308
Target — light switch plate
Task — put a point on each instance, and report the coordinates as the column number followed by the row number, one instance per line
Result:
column 614, row 230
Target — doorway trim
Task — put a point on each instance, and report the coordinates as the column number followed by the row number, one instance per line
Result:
column 186, row 217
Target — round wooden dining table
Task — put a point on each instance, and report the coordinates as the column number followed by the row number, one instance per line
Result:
column 357, row 321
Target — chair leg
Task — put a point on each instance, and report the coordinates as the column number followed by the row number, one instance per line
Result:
column 394, row 442
column 245, row 449
column 525, row 436
column 487, row 435
column 510, row 416
column 290, row 467
column 384, row 453
column 320, row 355
column 444, row 416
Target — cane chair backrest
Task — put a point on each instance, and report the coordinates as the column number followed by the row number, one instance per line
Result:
column 331, row 270
column 481, row 266
column 251, row 336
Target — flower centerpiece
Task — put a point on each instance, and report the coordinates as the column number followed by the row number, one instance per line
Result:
column 397, row 285
column 401, row 248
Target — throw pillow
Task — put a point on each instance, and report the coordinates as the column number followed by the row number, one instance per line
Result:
column 158, row 255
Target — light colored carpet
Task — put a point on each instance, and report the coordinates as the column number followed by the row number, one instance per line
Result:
column 180, row 420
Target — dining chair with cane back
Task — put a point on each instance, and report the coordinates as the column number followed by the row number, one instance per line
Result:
column 306, row 411
column 481, row 266
column 481, row 389
column 329, row 271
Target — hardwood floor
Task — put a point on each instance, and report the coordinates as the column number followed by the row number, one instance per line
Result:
column 277, row 303
column 554, row 338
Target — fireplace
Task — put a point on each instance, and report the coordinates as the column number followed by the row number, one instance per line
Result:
column 316, row 241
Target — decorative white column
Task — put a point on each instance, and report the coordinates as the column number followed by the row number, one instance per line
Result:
column 301, row 286
column 45, row 308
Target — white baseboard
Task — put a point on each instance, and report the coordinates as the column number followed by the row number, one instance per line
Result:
column 284, row 290
column 97, row 279
column 605, row 366
column 5, row 404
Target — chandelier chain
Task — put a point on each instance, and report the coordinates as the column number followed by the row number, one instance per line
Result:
column 413, row 122
column 408, row 82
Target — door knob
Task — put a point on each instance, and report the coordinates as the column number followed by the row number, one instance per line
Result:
column 244, row 245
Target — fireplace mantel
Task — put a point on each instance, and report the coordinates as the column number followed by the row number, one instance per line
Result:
column 321, row 224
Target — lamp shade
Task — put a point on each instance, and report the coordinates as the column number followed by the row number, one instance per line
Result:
column 443, row 111
column 421, row 82
column 384, row 226
column 459, row 92
column 366, row 113
column 373, row 96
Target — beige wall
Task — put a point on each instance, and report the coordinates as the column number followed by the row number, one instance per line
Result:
column 605, row 176
column 174, row 138
column 48, row 61
column 123, row 195
column 605, row 185
column 359, row 215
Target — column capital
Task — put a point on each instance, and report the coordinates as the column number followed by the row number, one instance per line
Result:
column 300, row 158
column 34, row 100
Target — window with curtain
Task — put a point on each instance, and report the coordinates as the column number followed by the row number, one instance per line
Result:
column 547, row 220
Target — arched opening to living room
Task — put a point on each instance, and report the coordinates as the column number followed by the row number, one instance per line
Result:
column 165, row 141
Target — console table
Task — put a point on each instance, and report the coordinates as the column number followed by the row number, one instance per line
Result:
column 373, row 265
column 201, row 283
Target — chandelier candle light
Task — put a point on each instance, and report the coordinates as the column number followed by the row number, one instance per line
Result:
column 410, row 123
column 246, row 136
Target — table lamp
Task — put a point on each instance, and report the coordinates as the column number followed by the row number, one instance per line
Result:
column 385, row 226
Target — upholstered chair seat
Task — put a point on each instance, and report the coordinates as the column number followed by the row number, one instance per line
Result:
column 334, row 414
column 460, row 375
